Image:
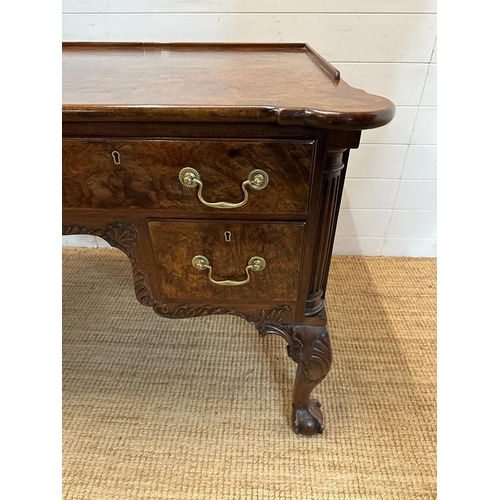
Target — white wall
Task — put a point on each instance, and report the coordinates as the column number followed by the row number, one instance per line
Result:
column 386, row 47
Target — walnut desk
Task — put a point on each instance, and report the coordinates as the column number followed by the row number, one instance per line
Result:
column 218, row 169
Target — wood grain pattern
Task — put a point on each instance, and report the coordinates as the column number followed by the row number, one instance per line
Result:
column 176, row 243
column 148, row 174
column 89, row 176
column 287, row 84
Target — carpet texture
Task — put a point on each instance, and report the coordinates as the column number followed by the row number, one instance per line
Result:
column 201, row 408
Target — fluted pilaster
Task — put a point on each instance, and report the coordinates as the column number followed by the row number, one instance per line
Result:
column 331, row 193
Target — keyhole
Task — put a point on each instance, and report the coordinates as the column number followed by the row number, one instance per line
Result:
column 116, row 157
column 227, row 236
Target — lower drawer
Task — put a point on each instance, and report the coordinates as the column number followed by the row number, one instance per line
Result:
column 213, row 260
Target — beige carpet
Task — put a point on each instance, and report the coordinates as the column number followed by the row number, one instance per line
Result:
column 200, row 408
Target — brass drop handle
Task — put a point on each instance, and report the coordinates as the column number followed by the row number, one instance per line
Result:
column 190, row 177
column 200, row 262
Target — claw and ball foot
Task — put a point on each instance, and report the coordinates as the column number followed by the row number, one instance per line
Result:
column 308, row 421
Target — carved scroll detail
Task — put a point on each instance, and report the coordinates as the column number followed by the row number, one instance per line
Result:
column 124, row 235
column 186, row 311
column 286, row 332
column 315, row 363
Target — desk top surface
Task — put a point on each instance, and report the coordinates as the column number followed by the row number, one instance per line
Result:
column 283, row 83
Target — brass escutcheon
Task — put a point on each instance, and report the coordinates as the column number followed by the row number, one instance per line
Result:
column 116, row 157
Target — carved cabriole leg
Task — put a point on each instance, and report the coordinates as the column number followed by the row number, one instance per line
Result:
column 314, row 361
column 309, row 346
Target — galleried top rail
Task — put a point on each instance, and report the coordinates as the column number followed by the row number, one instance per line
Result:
column 288, row 84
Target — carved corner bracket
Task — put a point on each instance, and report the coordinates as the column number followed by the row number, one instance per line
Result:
column 122, row 235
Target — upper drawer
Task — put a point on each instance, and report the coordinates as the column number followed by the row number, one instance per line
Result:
column 144, row 174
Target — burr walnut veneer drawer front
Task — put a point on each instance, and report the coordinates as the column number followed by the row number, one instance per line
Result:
column 188, row 176
column 228, row 260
